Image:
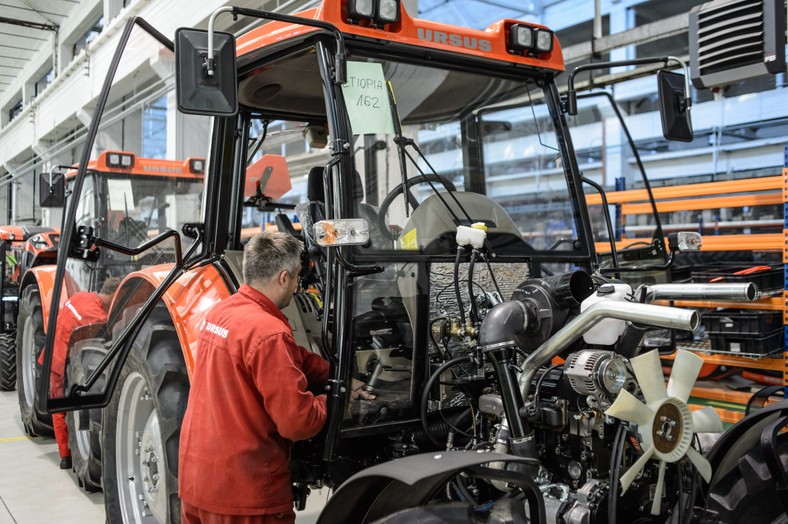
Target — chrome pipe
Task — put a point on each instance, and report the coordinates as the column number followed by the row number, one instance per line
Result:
column 648, row 314
column 744, row 292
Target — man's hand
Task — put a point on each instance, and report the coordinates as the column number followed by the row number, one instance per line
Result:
column 357, row 391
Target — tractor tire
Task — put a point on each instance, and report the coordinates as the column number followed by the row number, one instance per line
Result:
column 84, row 426
column 30, row 341
column 746, row 494
column 141, row 428
column 7, row 361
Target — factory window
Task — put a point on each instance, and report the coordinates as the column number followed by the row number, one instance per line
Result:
column 154, row 129
column 15, row 110
column 88, row 37
column 43, row 82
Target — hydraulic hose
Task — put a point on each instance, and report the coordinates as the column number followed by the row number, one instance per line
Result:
column 457, row 288
column 426, row 393
column 472, row 298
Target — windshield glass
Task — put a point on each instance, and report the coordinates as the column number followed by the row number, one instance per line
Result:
column 461, row 160
column 452, row 158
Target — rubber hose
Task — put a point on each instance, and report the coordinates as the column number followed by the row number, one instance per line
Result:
column 426, row 393
column 457, row 288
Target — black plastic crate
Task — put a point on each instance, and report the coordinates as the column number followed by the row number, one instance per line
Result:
column 742, row 321
column 769, row 278
column 760, row 345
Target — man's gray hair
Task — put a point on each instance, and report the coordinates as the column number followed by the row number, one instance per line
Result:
column 269, row 253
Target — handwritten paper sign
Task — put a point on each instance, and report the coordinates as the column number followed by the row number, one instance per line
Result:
column 121, row 196
column 367, row 99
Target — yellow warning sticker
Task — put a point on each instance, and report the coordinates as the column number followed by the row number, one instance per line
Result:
column 409, row 240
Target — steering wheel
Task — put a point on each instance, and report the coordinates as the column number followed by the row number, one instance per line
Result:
column 404, row 188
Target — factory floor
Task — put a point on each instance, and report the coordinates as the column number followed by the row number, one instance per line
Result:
column 34, row 490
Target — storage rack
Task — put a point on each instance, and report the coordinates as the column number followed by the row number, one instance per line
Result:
column 771, row 190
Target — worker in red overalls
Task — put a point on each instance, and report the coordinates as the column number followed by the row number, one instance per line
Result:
column 251, row 397
column 79, row 310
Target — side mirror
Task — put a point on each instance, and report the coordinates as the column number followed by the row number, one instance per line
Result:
column 51, row 190
column 674, row 107
column 199, row 93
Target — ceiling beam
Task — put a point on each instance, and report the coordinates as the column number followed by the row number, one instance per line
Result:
column 658, row 30
column 32, row 25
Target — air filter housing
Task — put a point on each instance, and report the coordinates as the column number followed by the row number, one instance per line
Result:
column 731, row 40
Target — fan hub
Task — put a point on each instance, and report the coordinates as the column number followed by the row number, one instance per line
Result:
column 667, row 428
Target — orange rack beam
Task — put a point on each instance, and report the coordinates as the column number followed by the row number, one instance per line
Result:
column 759, row 242
column 667, row 206
column 774, row 364
column 748, row 185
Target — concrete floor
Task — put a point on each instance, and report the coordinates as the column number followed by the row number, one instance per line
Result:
column 34, row 490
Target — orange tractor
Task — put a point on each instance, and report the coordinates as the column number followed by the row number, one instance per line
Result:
column 449, row 258
column 21, row 247
column 164, row 190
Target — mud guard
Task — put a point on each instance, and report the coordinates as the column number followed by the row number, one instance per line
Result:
column 400, row 484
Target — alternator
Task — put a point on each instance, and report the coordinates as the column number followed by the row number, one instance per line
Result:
column 596, row 373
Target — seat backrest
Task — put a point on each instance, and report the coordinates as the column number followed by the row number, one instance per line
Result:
column 284, row 224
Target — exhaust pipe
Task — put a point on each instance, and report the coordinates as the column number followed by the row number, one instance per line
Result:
column 746, row 292
column 659, row 316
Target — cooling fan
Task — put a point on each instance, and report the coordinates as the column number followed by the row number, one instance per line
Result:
column 665, row 423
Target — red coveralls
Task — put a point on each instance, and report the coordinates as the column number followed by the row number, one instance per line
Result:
column 249, row 400
column 80, row 310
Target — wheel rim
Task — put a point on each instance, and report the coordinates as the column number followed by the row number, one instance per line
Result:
column 82, row 436
column 28, row 362
column 139, row 455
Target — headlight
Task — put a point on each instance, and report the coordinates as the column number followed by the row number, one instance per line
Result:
column 197, row 165
column 521, row 37
column 544, row 40
column 382, row 11
column 388, row 11
column 125, row 160
column 361, row 8
column 524, row 38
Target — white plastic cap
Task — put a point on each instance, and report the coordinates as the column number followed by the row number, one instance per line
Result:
column 473, row 236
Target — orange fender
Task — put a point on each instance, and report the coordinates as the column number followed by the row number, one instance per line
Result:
column 44, row 278
column 188, row 300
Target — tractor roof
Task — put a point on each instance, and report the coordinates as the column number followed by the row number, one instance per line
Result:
column 491, row 43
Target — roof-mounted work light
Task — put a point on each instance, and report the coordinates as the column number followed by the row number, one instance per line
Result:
column 521, row 37
column 544, row 40
column 381, row 11
column 361, row 8
column 197, row 165
column 388, row 11
column 124, row 160
column 524, row 38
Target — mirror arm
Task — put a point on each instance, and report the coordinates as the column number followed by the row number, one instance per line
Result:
column 340, row 58
column 209, row 63
column 571, row 95
column 687, row 93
